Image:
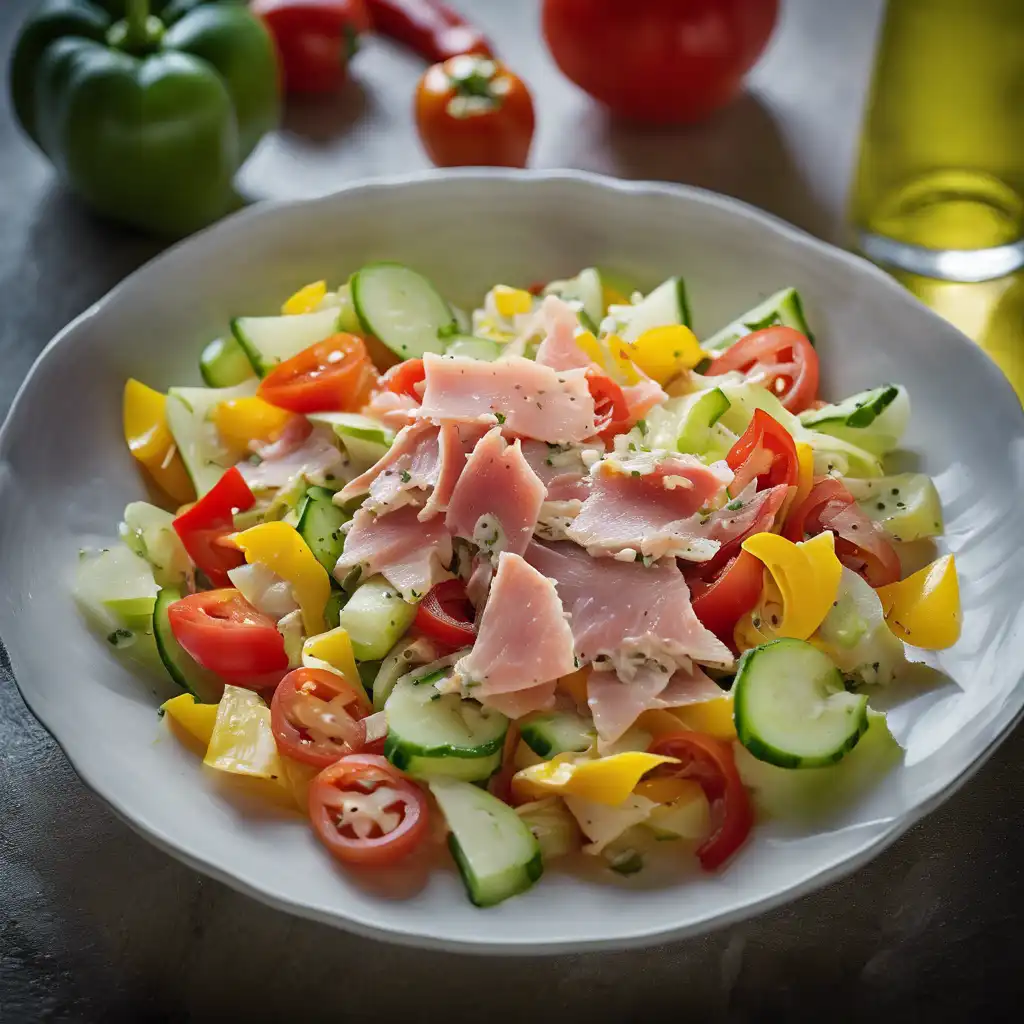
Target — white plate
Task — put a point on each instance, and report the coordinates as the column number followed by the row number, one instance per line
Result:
column 65, row 474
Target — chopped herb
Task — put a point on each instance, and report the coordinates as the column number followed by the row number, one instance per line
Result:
column 406, row 476
column 880, row 506
column 121, row 638
column 641, row 425
column 500, row 417
column 734, row 506
column 430, row 677
column 895, row 491
column 635, row 472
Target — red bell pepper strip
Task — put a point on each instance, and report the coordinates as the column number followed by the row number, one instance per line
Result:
column 427, row 27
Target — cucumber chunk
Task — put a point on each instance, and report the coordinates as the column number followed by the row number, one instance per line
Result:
column 585, row 293
column 374, row 617
column 873, row 420
column 496, row 854
column 790, row 706
column 907, row 505
column 688, row 424
column 663, row 307
column 784, row 307
column 320, row 523
column 557, row 732
column 364, row 439
column 269, row 340
column 180, row 665
column 116, row 587
column 405, row 655
column 401, row 308
column 224, row 363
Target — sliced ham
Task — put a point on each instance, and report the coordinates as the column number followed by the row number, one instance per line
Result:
column 523, row 642
column 559, row 349
column 317, row 458
column 642, row 397
column 649, row 505
column 626, row 614
column 522, row 702
column 497, row 498
column 530, row 400
column 411, row 555
column 393, row 410
column 561, row 469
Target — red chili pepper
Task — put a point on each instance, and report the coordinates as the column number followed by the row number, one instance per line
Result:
column 427, row 27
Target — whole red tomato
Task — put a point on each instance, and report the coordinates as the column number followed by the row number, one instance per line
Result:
column 661, row 61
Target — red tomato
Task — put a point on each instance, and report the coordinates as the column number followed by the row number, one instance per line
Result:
column 611, row 413
column 805, row 520
column 779, row 358
column 710, row 763
column 428, row 27
column 334, row 375
column 765, row 450
column 315, row 39
column 446, row 615
column 403, row 378
column 731, row 592
column 225, row 634
column 662, row 61
column 317, row 716
column 209, row 520
column 391, row 833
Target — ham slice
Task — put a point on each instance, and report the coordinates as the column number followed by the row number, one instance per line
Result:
column 409, row 554
column 317, row 458
column 561, row 469
column 649, row 504
column 530, row 400
column 393, row 410
column 523, row 642
column 625, row 614
column 497, row 498
column 522, row 702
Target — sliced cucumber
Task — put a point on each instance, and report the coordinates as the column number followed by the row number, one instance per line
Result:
column 495, row 851
column 374, row 617
column 116, row 587
column 557, row 732
column 401, row 308
column 687, row 423
column 907, row 505
column 784, row 307
column 149, row 531
column 188, row 419
column 180, row 665
column 873, row 420
column 791, row 709
column 269, row 340
column 399, row 660
column 585, row 292
column 320, row 523
column 364, row 439
column 664, row 306
column 224, row 363
column 552, row 826
column 472, row 347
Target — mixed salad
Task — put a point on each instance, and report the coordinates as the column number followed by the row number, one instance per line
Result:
column 550, row 577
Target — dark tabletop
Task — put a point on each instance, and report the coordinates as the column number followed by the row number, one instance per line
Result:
column 95, row 924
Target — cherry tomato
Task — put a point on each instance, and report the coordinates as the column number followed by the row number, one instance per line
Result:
column 781, row 359
column 363, row 835
column 733, row 590
column 473, row 111
column 203, row 525
column 403, row 378
column 226, row 635
column 765, row 450
column 710, row 763
column 317, row 716
column 446, row 615
column 611, row 412
column 315, row 39
column 334, row 375
column 661, row 61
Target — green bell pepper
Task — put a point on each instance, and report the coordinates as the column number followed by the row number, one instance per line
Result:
column 147, row 109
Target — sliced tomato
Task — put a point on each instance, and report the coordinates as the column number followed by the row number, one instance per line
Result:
column 779, row 358
column 710, row 763
column 334, row 375
column 317, row 716
column 203, row 526
column 611, row 411
column 366, row 812
column 766, row 451
column 805, row 519
column 446, row 615
column 404, row 378
column 730, row 593
column 228, row 636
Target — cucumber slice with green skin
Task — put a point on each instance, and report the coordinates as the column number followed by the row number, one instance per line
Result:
column 320, row 523
column 269, row 340
column 790, row 706
column 906, row 505
column 180, row 665
column 116, row 587
column 403, row 657
column 364, row 439
column 873, row 420
column 149, row 531
column 557, row 732
column 686, row 424
column 496, row 854
column 858, row 410
column 401, row 308
column 784, row 307
column 374, row 617
column 224, row 363
column 585, row 292
column 473, row 348
column 663, row 307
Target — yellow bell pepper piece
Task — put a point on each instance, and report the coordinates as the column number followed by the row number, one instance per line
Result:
column 713, row 717
column 242, row 741
column 282, row 550
column 511, row 301
column 807, row 576
column 197, row 720
column 295, row 778
column 575, row 684
column 150, row 441
column 241, row 420
column 332, row 651
column 924, row 609
column 605, row 780
column 620, row 361
column 667, row 790
column 805, row 480
column 306, row 299
column 663, row 352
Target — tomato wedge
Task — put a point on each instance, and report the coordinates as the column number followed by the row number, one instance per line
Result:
column 226, row 635
column 710, row 763
column 766, row 451
column 334, row 375
column 611, row 412
column 211, row 518
column 446, row 615
column 780, row 359
column 366, row 812
column 403, row 378
column 317, row 716
column 729, row 594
